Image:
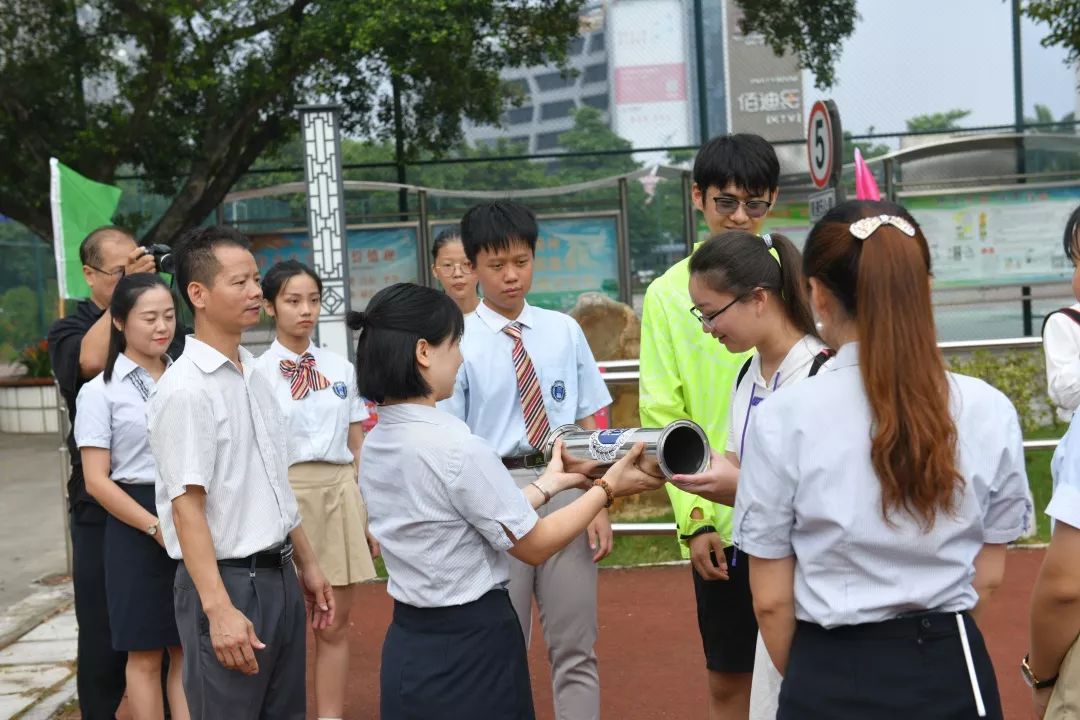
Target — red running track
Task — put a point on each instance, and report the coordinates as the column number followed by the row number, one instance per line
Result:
column 651, row 665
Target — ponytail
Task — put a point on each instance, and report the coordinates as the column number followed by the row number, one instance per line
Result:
column 883, row 284
column 738, row 262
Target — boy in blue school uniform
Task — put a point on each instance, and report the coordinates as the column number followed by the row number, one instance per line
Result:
column 526, row 371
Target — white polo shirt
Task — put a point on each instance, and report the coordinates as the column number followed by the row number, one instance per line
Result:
column 113, row 416
column 318, row 424
column 486, row 393
column 1061, row 344
column 748, row 394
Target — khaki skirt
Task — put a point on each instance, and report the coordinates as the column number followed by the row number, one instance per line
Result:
column 334, row 518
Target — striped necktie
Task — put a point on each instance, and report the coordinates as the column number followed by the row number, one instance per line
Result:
column 302, row 376
column 532, row 401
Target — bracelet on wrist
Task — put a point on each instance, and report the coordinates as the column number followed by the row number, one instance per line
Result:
column 700, row 530
column 545, row 493
column 602, row 484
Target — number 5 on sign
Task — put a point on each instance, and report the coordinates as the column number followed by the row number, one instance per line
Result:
column 823, row 143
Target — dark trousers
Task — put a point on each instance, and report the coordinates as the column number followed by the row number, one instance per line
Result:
column 100, row 669
column 903, row 669
column 272, row 601
column 464, row 662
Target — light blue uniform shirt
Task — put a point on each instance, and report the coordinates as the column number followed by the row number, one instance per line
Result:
column 1065, row 468
column 113, row 416
column 807, row 488
column 439, row 500
column 486, row 393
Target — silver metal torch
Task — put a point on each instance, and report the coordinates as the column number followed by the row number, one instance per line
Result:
column 681, row 448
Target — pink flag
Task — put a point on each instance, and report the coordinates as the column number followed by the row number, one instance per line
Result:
column 865, row 185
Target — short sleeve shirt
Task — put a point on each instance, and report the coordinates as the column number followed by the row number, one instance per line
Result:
column 318, row 423
column 807, row 488
column 439, row 499
column 218, row 427
column 112, row 415
column 486, row 393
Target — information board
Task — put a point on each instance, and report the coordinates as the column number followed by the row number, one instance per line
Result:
column 1004, row 237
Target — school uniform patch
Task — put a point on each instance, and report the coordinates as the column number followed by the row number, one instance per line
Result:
column 558, row 391
column 341, row 390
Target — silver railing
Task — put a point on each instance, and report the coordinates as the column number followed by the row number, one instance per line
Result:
column 627, row 371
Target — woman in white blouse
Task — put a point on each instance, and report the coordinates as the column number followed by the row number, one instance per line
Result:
column 749, row 293
column 446, row 513
column 876, row 500
column 1061, row 335
column 110, row 430
column 316, row 391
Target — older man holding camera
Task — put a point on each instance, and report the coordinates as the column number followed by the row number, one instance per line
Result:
column 78, row 345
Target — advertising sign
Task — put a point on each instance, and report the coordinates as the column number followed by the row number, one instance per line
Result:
column 764, row 91
column 648, row 51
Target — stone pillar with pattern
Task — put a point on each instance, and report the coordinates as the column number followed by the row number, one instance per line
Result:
column 326, row 221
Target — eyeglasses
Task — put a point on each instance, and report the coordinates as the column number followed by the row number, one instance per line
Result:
column 727, row 205
column 707, row 320
column 447, row 268
column 117, row 273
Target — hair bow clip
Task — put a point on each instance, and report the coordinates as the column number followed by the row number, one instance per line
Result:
column 768, row 240
column 866, row 227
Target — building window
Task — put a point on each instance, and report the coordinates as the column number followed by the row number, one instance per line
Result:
column 547, row 141
column 553, row 81
column 596, row 42
column 518, row 116
column 596, row 73
column 600, row 102
column 576, row 46
column 555, row 110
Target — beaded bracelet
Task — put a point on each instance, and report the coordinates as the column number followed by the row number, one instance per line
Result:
column 602, row 484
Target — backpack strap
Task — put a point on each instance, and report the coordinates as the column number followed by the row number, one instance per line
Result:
column 742, row 371
column 1068, row 311
column 820, row 359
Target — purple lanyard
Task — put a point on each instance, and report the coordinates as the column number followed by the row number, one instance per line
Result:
column 754, row 402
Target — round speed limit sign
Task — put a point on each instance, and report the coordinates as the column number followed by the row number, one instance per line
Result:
column 819, row 144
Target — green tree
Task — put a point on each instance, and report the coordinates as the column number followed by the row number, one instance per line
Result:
column 937, row 122
column 1044, row 117
column 812, row 30
column 189, row 95
column 868, row 148
column 1063, row 19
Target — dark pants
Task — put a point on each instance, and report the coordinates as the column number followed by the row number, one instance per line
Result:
column 100, row 668
column 901, row 669
column 463, row 662
column 726, row 620
column 272, row 601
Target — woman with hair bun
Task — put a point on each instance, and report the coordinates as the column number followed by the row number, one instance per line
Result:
column 876, row 500
column 316, row 392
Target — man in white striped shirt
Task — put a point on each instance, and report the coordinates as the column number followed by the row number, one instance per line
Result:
column 223, row 496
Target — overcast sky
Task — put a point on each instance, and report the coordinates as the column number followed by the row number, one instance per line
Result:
column 922, row 56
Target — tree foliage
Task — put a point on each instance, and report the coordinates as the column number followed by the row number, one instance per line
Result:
column 812, row 30
column 937, row 122
column 189, row 95
column 1063, row 19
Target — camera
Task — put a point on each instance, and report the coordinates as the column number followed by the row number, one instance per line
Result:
column 163, row 258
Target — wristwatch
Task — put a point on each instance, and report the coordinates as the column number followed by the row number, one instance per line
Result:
column 152, row 531
column 1032, row 681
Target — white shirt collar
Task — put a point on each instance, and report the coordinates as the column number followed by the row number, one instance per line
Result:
column 207, row 358
column 497, row 322
column 847, row 355
column 796, row 356
column 283, row 353
column 125, row 366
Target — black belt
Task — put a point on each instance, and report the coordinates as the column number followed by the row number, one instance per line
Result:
column 272, row 558
column 524, row 461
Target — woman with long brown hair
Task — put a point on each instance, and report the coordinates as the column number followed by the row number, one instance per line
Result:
column 875, row 499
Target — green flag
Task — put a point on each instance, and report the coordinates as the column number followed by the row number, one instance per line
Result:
column 79, row 206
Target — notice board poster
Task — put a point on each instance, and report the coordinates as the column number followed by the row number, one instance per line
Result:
column 1005, row 237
